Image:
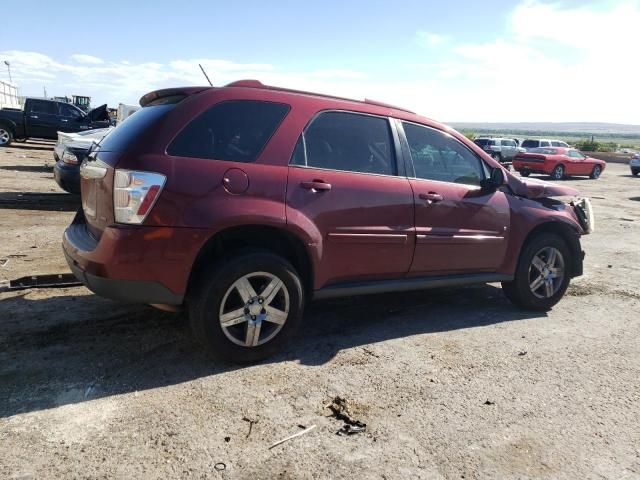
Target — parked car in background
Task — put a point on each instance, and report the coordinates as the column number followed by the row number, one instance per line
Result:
column 558, row 162
column 502, row 149
column 634, row 164
column 45, row 118
column 69, row 152
column 530, row 143
column 241, row 203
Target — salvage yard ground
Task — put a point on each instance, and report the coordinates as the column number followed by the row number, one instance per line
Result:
column 453, row 383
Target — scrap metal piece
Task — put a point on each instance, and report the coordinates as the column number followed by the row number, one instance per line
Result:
column 56, row 280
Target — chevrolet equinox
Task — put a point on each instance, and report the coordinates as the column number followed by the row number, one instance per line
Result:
column 243, row 202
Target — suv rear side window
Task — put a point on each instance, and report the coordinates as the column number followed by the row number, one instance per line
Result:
column 347, row 141
column 530, row 144
column 438, row 156
column 235, row 130
column 125, row 133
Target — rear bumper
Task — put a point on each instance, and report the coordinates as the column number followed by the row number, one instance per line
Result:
column 133, row 264
column 131, row 291
column 67, row 177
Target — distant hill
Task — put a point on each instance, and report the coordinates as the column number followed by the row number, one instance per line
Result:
column 581, row 128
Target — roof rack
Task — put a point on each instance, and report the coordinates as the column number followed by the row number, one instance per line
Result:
column 258, row 84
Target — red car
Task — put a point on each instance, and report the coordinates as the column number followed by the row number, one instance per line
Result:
column 241, row 203
column 557, row 162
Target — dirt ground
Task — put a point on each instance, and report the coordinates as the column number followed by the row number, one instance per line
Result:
column 453, row 383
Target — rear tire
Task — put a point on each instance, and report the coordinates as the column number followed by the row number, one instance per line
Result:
column 6, row 136
column 525, row 173
column 595, row 173
column 257, row 326
column 537, row 285
column 558, row 172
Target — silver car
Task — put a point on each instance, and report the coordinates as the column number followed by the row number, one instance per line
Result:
column 502, row 149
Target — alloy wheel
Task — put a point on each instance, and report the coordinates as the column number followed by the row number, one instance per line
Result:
column 546, row 272
column 4, row 136
column 254, row 309
column 558, row 172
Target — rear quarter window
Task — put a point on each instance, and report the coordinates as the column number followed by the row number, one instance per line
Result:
column 124, row 134
column 235, row 130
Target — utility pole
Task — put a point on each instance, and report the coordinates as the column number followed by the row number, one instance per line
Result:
column 8, row 68
column 45, row 91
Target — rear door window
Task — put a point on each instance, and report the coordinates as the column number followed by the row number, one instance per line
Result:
column 530, row 144
column 347, row 141
column 234, row 130
column 438, row 156
column 43, row 106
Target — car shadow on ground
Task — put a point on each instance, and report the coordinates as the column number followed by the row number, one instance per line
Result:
column 32, row 146
column 28, row 168
column 73, row 348
column 57, row 201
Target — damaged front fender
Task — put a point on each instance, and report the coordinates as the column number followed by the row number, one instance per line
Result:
column 534, row 188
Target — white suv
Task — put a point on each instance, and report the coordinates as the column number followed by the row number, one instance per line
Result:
column 542, row 142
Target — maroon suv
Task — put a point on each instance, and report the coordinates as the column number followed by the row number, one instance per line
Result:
column 243, row 202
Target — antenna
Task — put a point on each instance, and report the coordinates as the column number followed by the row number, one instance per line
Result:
column 205, row 74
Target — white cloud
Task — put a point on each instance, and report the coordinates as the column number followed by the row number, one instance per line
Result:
column 430, row 39
column 548, row 63
column 89, row 59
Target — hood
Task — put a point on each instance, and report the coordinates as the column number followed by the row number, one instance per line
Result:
column 99, row 113
column 534, row 188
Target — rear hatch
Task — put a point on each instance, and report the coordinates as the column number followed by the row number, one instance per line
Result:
column 97, row 171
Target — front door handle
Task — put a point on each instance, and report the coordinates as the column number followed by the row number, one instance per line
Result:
column 316, row 185
column 431, row 197
column 33, row 116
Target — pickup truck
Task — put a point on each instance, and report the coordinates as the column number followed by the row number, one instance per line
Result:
column 45, row 118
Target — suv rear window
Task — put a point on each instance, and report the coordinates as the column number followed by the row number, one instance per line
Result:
column 530, row 144
column 235, row 130
column 121, row 137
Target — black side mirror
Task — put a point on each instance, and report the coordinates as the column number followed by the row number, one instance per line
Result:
column 494, row 182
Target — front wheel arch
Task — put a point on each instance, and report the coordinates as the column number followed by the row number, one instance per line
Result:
column 570, row 236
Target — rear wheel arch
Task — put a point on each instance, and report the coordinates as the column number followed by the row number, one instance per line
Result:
column 568, row 234
column 235, row 240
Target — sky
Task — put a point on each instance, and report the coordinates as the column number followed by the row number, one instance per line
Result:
column 464, row 61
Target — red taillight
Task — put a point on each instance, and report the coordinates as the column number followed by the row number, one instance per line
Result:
column 149, row 198
column 134, row 194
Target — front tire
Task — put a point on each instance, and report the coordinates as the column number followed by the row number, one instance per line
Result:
column 558, row 172
column 595, row 173
column 525, row 173
column 542, row 274
column 6, row 136
column 247, row 308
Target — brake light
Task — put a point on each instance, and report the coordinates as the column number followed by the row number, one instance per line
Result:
column 134, row 194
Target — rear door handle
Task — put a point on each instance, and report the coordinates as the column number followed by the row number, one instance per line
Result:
column 317, row 185
column 34, row 116
column 431, row 197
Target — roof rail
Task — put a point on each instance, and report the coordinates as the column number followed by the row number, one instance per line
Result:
column 259, row 84
column 382, row 104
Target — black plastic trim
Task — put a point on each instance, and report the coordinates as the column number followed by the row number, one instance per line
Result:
column 407, row 284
